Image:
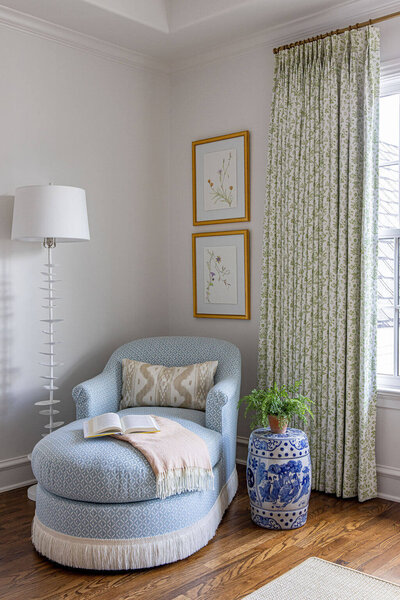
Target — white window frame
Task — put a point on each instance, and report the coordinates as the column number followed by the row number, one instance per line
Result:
column 390, row 84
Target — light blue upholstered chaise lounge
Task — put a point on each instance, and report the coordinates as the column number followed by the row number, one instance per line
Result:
column 96, row 506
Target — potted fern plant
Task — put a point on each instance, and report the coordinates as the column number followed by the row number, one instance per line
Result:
column 277, row 405
column 278, row 466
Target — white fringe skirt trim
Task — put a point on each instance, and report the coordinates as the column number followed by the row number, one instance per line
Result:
column 134, row 553
column 189, row 479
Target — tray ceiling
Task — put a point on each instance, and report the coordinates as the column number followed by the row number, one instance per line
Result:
column 172, row 29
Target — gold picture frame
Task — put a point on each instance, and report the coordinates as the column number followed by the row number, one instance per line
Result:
column 241, row 276
column 240, row 189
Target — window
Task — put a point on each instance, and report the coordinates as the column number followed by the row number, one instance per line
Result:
column 389, row 241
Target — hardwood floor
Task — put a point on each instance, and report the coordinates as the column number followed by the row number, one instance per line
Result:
column 240, row 558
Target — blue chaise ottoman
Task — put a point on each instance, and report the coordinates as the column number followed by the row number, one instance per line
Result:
column 96, row 506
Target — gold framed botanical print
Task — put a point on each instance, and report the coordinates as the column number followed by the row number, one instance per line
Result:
column 221, row 274
column 221, row 180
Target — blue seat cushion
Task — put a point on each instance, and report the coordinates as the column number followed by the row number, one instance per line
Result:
column 106, row 469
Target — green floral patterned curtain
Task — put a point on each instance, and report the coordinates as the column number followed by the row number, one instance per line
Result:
column 318, row 299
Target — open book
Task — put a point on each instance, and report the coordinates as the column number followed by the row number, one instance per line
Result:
column 111, row 423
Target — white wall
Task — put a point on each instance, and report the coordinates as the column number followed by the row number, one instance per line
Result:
column 221, row 97
column 71, row 118
column 226, row 95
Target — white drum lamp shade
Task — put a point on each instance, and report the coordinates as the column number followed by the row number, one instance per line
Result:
column 49, row 214
column 50, row 211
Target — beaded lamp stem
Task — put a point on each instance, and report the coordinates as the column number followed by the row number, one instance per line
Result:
column 48, row 405
column 49, row 244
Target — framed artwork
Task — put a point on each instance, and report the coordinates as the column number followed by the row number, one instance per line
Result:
column 221, row 274
column 221, row 188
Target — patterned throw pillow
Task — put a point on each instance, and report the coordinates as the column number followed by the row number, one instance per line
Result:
column 155, row 385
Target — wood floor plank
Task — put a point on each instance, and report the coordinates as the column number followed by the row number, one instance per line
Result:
column 239, row 559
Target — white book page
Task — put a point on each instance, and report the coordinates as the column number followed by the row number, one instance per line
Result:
column 105, row 422
column 138, row 423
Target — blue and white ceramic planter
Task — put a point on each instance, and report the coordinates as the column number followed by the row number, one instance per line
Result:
column 279, row 478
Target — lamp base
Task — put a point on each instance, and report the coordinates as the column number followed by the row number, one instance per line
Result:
column 31, row 492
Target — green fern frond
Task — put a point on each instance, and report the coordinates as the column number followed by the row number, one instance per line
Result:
column 283, row 402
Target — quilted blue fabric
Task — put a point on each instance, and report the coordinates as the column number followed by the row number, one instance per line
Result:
column 106, row 469
column 89, row 494
column 103, row 393
column 128, row 519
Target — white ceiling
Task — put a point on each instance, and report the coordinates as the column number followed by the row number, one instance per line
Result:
column 173, row 29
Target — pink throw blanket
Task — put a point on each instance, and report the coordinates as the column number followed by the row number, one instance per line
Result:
column 178, row 457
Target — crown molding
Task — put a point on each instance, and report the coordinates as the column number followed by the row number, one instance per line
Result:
column 63, row 36
column 349, row 11
column 343, row 14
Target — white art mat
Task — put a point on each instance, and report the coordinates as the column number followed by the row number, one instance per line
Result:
column 220, row 275
column 220, row 180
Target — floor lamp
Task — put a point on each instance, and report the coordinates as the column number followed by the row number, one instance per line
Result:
column 49, row 214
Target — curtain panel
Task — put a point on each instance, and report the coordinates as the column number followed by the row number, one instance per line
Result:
column 318, row 290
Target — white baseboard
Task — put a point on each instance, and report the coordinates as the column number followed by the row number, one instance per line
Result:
column 388, row 497
column 392, row 472
column 15, row 486
column 243, row 441
column 11, row 463
column 388, row 482
column 15, row 472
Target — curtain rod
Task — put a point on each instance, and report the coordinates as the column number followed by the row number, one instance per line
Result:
column 337, row 31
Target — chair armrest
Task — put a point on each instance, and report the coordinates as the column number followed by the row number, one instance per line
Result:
column 222, row 402
column 98, row 395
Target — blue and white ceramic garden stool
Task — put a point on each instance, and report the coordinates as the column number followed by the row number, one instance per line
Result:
column 279, row 478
